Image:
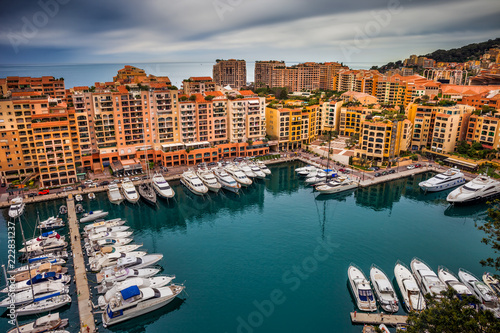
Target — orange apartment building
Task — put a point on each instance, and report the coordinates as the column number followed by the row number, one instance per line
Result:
column 263, row 72
column 198, row 85
column 230, row 72
column 47, row 85
column 491, row 99
column 485, row 130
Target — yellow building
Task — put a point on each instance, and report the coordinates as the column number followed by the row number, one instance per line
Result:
column 485, row 130
column 285, row 126
column 383, row 141
column 351, row 119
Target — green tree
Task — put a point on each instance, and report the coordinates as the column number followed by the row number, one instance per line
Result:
column 450, row 315
column 492, row 230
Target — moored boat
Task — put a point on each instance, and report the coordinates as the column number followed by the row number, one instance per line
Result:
column 45, row 305
column 91, row 196
column 480, row 188
column 238, row 175
column 147, row 193
column 227, row 182
column 427, row 280
column 450, row 280
column 384, row 291
column 413, row 298
column 492, row 283
column 47, row 323
column 16, row 208
column 162, row 187
column 78, row 197
column 208, row 178
column 361, row 289
column 114, row 194
column 117, row 274
column 450, row 178
column 485, row 295
column 190, row 180
column 129, row 191
column 93, row 215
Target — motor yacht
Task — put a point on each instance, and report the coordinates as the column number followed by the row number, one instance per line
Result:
column 46, row 245
column 493, row 283
column 110, row 276
column 247, row 170
column 129, row 191
column 36, row 264
column 485, row 295
column 152, row 282
column 238, row 175
column 78, row 197
column 37, row 279
column 162, row 187
column 413, row 298
column 49, row 235
column 208, row 178
column 110, row 235
column 111, row 259
column 51, row 223
column 450, row 178
column 384, row 291
column 133, row 302
column 304, row 171
column 16, row 208
column 259, row 173
column 105, row 250
column 138, row 262
column 227, row 182
column 44, row 305
column 361, row 289
column 337, row 185
column 91, row 196
column 48, row 323
column 103, row 224
column 480, row 188
column 63, row 210
column 263, row 167
column 193, row 183
column 114, row 194
column 42, row 269
column 79, row 208
column 320, row 176
column 93, row 215
column 427, row 280
column 450, row 280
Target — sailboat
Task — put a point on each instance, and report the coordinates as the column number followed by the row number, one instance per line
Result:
column 145, row 189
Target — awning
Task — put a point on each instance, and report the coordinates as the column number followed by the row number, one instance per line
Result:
column 461, row 163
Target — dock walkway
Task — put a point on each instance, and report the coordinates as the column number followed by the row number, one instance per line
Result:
column 87, row 324
column 378, row 318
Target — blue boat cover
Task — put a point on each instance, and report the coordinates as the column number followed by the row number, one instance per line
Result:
column 45, row 234
column 47, row 297
column 130, row 292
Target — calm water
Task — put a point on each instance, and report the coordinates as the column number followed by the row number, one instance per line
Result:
column 236, row 254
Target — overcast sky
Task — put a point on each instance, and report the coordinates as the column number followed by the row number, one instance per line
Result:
column 356, row 31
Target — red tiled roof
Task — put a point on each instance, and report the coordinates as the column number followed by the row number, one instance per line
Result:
column 247, row 93
column 201, row 78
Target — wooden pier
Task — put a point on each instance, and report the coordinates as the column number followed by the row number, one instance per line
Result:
column 378, row 318
column 87, row 323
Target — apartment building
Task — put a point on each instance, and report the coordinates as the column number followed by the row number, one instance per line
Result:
column 351, row 119
column 383, row 140
column 362, row 81
column 309, row 129
column 198, row 85
column 230, row 72
column 134, row 75
column 263, row 72
column 46, row 85
column 490, row 99
column 329, row 116
column 484, row 129
column 246, row 117
column 438, row 128
column 285, row 126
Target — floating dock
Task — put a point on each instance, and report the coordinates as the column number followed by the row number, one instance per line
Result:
column 87, row 323
column 378, row 318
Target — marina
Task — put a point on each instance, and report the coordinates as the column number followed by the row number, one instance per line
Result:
column 242, row 241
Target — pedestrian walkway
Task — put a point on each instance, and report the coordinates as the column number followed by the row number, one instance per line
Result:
column 87, row 324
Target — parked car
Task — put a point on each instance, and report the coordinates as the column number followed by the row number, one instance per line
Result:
column 418, row 165
column 92, row 185
column 31, row 195
column 3, row 184
column 377, row 174
column 43, row 192
column 144, row 177
column 116, row 181
column 342, row 170
column 88, row 181
column 103, row 183
column 411, row 166
column 136, row 178
column 69, row 188
column 391, row 171
column 384, row 173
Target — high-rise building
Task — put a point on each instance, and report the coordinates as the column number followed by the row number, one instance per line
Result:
column 263, row 73
column 230, row 72
column 198, row 85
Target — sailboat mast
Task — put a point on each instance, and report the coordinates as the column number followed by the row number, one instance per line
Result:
column 29, row 266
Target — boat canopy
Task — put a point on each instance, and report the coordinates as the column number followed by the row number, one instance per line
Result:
column 53, row 317
column 107, row 249
column 365, row 295
column 384, row 285
column 130, row 292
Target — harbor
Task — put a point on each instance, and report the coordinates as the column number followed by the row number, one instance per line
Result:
column 222, row 235
column 377, row 318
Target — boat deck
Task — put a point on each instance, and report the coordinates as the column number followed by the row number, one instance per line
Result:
column 378, row 318
column 87, row 323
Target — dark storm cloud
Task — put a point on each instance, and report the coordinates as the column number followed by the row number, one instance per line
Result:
column 111, row 30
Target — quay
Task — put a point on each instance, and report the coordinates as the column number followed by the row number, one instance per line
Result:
column 378, row 318
column 364, row 178
column 87, row 323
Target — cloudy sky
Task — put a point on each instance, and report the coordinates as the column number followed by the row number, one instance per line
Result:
column 358, row 31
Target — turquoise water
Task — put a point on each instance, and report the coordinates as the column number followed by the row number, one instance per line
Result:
column 275, row 258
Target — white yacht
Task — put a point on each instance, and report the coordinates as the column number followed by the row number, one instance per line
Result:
column 384, row 290
column 102, row 224
column 93, row 215
column 137, row 262
column 48, row 323
column 427, row 280
column 227, row 182
column 78, row 197
column 91, row 196
column 17, row 206
column 304, row 171
column 109, row 235
column 42, row 269
column 36, row 292
column 361, row 289
column 247, row 170
column 481, row 187
column 49, row 235
column 105, row 250
column 152, row 282
column 129, row 191
column 193, row 183
column 413, row 298
column 320, row 176
column 46, row 245
column 36, row 264
column 208, row 178
column 111, row 259
column 116, row 274
column 37, row 279
column 263, row 167
column 448, row 179
column 114, row 194
column 238, row 175
column 492, row 283
column 337, row 185
column 485, row 295
column 162, row 187
column 259, row 173
column 133, row 302
column 51, row 223
column 448, row 278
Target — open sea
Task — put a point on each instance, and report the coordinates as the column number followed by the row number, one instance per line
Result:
column 275, row 257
